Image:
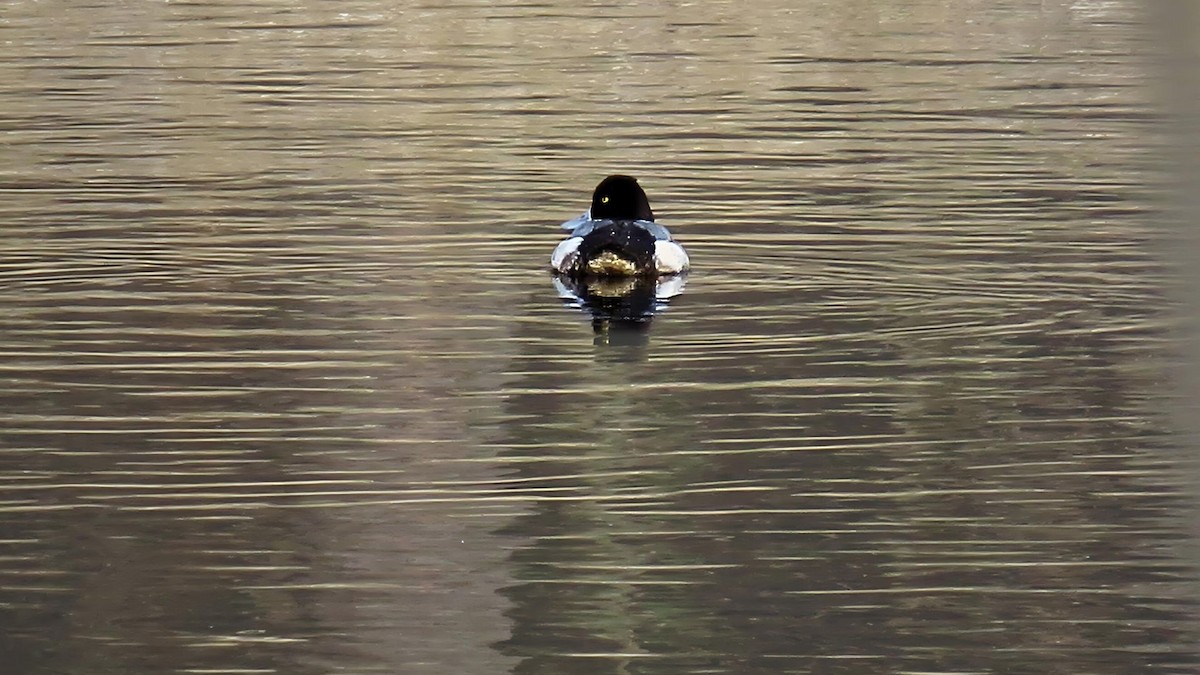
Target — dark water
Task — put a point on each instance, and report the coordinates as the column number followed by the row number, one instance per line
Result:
column 286, row 388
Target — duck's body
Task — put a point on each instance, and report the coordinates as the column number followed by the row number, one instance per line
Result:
column 617, row 237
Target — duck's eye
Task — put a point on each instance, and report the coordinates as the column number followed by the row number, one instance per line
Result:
column 604, row 200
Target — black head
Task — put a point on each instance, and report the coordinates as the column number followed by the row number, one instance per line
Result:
column 620, row 198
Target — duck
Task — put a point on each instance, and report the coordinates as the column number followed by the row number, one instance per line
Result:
column 618, row 237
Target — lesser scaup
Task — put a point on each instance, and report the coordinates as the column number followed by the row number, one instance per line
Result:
column 617, row 237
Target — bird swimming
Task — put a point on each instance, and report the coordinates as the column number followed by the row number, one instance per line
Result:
column 617, row 237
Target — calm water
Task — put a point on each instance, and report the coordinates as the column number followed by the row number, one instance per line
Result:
column 287, row 389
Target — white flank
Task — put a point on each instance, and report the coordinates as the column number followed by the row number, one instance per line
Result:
column 669, row 257
column 564, row 254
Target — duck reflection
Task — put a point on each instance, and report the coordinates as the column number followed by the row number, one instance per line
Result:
column 621, row 308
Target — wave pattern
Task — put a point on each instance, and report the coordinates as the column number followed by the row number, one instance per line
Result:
column 286, row 388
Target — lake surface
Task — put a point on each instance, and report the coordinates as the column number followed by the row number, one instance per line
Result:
column 286, row 387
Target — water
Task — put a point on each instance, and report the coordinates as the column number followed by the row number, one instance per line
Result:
column 287, row 389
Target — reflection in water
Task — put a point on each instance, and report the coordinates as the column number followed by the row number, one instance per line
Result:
column 622, row 308
column 907, row 419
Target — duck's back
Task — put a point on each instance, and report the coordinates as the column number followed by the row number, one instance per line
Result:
column 616, row 248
